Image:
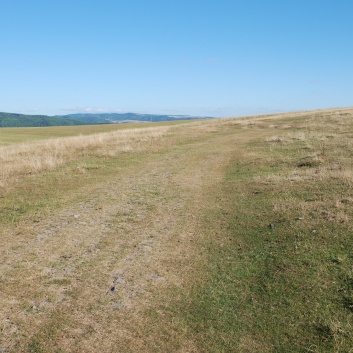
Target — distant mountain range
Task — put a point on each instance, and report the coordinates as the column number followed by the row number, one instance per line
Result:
column 22, row 120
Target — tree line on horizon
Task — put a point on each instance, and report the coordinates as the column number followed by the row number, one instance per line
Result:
column 25, row 120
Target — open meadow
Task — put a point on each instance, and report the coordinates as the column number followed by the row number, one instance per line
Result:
column 220, row 235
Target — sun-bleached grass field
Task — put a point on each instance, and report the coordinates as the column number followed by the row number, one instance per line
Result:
column 224, row 235
column 35, row 157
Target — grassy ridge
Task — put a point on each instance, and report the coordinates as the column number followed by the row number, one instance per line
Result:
column 280, row 269
column 257, row 214
column 26, row 134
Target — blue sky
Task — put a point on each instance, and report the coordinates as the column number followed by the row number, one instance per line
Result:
column 209, row 58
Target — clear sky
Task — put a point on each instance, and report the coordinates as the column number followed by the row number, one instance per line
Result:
column 198, row 57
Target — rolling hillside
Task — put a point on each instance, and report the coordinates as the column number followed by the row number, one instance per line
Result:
column 22, row 120
column 223, row 235
column 115, row 118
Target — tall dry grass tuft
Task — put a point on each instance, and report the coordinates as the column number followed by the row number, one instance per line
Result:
column 35, row 157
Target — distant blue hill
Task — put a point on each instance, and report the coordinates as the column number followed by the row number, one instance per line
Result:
column 116, row 118
column 23, row 120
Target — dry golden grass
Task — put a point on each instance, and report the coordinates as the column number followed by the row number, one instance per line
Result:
column 135, row 231
column 35, row 157
column 328, row 140
column 160, row 214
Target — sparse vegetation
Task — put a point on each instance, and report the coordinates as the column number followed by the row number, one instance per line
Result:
column 31, row 158
column 229, row 235
column 282, row 288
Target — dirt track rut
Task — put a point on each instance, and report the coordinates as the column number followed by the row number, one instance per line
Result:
column 88, row 273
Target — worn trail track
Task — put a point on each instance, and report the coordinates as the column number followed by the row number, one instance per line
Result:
column 83, row 279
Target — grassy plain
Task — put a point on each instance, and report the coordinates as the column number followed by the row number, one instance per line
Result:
column 228, row 235
column 26, row 134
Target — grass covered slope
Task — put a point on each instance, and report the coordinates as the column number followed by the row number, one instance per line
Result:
column 227, row 235
column 280, row 273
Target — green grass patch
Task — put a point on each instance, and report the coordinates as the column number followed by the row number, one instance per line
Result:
column 279, row 274
column 60, row 282
column 32, row 198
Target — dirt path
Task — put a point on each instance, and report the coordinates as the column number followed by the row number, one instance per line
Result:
column 83, row 279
